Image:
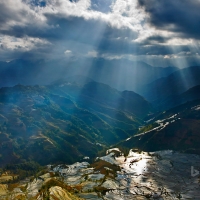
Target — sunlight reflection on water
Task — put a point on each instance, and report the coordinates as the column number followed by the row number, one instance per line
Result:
column 137, row 163
column 140, row 166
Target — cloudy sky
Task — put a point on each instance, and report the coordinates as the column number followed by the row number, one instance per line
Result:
column 160, row 32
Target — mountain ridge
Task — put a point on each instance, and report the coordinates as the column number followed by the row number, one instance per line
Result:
column 131, row 75
column 176, row 83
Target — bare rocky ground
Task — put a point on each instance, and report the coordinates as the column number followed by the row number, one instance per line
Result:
column 141, row 175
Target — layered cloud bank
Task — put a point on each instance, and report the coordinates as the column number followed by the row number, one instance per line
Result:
column 162, row 32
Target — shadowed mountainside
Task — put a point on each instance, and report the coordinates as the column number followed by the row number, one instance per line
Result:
column 175, row 100
column 175, row 129
column 166, row 89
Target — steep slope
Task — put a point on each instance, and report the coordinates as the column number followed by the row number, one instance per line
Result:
column 176, row 129
column 175, row 100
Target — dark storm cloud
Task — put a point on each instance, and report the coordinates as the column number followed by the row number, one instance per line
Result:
column 124, row 47
column 155, row 39
column 97, row 33
column 61, row 30
column 27, row 30
column 19, row 20
column 85, row 31
column 180, row 16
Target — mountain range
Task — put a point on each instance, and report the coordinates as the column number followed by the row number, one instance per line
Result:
column 38, row 122
column 75, row 113
column 123, row 75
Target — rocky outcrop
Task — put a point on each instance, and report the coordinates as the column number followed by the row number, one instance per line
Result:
column 164, row 175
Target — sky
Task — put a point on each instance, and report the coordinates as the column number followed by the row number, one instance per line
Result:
column 161, row 33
